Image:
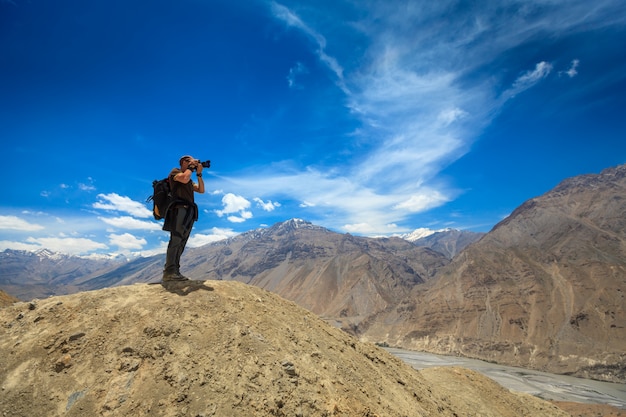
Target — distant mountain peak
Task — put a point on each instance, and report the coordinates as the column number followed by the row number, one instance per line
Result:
column 49, row 254
column 420, row 233
column 294, row 223
column 44, row 252
column 291, row 225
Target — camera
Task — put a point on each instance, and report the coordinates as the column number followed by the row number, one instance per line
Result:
column 205, row 164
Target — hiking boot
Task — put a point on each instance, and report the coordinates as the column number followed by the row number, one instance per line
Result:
column 174, row 277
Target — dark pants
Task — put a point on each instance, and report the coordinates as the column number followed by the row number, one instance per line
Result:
column 179, row 233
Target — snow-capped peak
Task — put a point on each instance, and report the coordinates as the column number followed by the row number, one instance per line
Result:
column 421, row 233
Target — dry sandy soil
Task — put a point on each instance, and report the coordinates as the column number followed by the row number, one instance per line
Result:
column 217, row 348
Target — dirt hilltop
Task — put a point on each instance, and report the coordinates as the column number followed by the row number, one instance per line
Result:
column 217, row 349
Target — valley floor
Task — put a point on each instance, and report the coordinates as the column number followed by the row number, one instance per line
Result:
column 579, row 397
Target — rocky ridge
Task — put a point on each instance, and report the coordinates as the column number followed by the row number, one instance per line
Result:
column 217, row 348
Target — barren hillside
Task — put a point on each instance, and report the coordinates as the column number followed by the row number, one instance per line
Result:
column 6, row 299
column 545, row 289
column 341, row 277
column 216, row 349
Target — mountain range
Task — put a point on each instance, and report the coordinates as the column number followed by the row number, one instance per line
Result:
column 42, row 273
column 544, row 289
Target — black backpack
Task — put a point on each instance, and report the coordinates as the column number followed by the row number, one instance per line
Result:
column 161, row 198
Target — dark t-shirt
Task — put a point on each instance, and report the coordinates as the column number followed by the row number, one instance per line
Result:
column 180, row 190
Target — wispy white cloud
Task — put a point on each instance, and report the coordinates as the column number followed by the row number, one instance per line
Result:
column 213, row 235
column 291, row 19
column 572, row 71
column 116, row 202
column 295, row 71
column 528, row 79
column 267, row 206
column 17, row 245
column 339, row 199
column 421, row 202
column 70, row 233
column 86, row 187
column 423, row 94
column 16, row 223
column 70, row 245
column 126, row 241
column 127, row 222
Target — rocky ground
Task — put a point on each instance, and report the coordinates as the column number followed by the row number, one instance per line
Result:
column 217, row 349
column 590, row 410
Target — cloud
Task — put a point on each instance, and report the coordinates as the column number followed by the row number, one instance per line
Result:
column 127, row 222
column 338, row 199
column 127, row 241
column 116, row 202
column 7, row 244
column 419, row 95
column 421, row 202
column 529, row 79
column 235, row 204
column 216, row 234
column 243, row 216
column 415, row 120
column 294, row 72
column 158, row 250
column 267, row 206
column 16, row 223
column 573, row 69
column 360, row 228
column 86, row 187
column 291, row 19
column 449, row 116
column 70, row 245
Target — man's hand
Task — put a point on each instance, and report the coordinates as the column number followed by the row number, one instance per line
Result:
column 198, row 166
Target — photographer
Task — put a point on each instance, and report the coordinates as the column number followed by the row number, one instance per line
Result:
column 183, row 213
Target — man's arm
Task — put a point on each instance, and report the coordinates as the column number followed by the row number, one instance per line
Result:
column 199, row 187
column 183, row 176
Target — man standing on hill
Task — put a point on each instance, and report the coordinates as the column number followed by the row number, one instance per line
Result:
column 181, row 216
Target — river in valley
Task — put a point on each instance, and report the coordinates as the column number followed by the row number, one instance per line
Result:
column 541, row 384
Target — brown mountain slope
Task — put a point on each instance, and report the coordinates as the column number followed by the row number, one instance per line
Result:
column 216, row 349
column 6, row 299
column 544, row 289
column 449, row 242
column 341, row 277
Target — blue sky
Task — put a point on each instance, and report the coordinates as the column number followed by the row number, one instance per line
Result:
column 368, row 117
